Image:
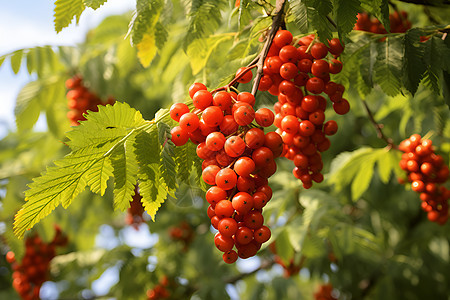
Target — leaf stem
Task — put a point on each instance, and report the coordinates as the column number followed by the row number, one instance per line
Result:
column 276, row 22
column 378, row 127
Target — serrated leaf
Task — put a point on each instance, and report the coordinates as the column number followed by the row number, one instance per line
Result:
column 318, row 11
column 388, row 65
column 152, row 187
column 27, row 109
column 200, row 50
column 94, row 4
column 167, row 166
column 347, row 165
column 184, row 159
column 363, row 177
column 146, row 49
column 145, row 18
column 446, row 88
column 413, row 65
column 386, row 163
column 125, row 174
column 367, row 59
column 65, row 10
column 204, row 18
column 16, row 61
column 436, row 58
column 300, row 12
column 88, row 164
column 346, row 11
column 161, row 35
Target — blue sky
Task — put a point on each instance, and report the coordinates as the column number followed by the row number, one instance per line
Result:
column 29, row 23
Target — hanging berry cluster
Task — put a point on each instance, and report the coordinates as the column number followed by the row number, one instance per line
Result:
column 324, row 292
column 398, row 21
column 80, row 100
column 135, row 211
column 238, row 157
column 299, row 75
column 427, row 172
column 32, row 272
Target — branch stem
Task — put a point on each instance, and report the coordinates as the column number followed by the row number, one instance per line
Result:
column 378, row 127
column 276, row 22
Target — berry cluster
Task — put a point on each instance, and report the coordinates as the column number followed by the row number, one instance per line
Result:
column 238, row 157
column 427, row 172
column 160, row 290
column 32, row 272
column 80, row 100
column 398, row 21
column 135, row 211
column 298, row 75
column 182, row 232
column 325, row 292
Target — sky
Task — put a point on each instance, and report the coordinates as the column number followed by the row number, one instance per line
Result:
column 29, row 23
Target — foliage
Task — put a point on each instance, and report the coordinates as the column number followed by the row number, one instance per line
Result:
column 359, row 229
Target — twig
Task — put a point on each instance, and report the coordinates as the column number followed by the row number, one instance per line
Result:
column 276, row 22
column 264, row 265
column 378, row 127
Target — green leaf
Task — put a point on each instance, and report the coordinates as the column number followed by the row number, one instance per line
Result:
column 363, row 177
column 145, row 34
column 413, row 65
column 350, row 168
column 437, row 59
column 184, row 159
column 386, row 163
column 346, row 11
column 366, row 64
column 167, row 165
column 318, row 10
column 161, row 35
column 151, row 186
column 446, row 88
column 94, row 4
column 388, row 65
column 283, row 246
column 300, row 12
column 27, row 109
column 92, row 144
column 125, row 166
column 200, row 50
column 65, row 10
column 16, row 61
column 2, row 59
column 31, row 61
column 145, row 18
column 204, row 18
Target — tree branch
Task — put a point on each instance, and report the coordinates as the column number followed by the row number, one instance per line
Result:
column 378, row 127
column 276, row 22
